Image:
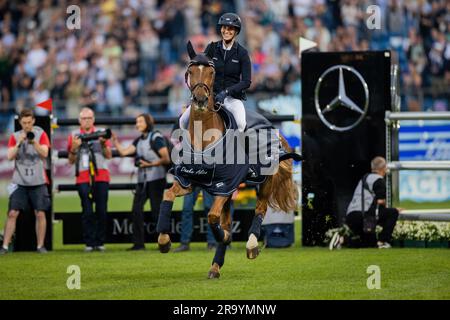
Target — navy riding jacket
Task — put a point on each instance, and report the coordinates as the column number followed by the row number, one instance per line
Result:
column 233, row 69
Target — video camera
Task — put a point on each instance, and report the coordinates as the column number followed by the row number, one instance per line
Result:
column 85, row 137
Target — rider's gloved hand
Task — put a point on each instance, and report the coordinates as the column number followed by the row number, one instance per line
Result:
column 220, row 98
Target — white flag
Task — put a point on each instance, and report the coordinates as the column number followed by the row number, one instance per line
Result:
column 305, row 44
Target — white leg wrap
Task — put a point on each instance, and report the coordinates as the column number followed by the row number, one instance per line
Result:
column 252, row 242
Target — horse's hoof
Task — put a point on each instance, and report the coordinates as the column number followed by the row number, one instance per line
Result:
column 252, row 247
column 252, row 253
column 164, row 243
column 214, row 271
column 213, row 275
column 164, row 248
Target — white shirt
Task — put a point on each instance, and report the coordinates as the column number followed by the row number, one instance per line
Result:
column 225, row 48
column 37, row 57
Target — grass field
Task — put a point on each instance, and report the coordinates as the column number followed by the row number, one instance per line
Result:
column 293, row 273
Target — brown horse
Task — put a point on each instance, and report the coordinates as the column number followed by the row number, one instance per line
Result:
column 278, row 191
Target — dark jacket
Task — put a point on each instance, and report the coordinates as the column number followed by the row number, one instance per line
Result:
column 233, row 69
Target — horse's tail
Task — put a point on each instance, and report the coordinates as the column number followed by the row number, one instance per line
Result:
column 281, row 189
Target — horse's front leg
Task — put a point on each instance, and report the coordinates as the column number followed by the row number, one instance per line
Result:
column 255, row 229
column 214, row 220
column 219, row 257
column 163, row 226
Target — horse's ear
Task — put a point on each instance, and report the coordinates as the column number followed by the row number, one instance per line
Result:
column 209, row 52
column 190, row 50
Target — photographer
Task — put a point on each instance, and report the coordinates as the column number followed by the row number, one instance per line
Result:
column 92, row 178
column 28, row 148
column 151, row 155
column 368, row 209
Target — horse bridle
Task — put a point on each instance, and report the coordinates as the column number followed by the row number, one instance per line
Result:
column 199, row 84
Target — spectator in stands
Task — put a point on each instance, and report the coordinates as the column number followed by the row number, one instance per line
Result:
column 151, row 155
column 114, row 96
column 178, row 95
column 39, row 94
column 302, row 8
column 74, row 92
column 415, row 51
column 34, row 35
column 92, row 179
column 58, row 91
column 319, row 34
column 36, row 58
column 412, row 83
column 351, row 13
column 148, row 46
column 22, row 84
column 6, row 71
column 396, row 18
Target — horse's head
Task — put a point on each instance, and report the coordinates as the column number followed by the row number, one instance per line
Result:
column 199, row 78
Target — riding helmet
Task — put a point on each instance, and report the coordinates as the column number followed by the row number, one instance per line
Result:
column 229, row 19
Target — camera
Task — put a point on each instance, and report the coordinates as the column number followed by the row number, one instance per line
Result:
column 30, row 135
column 137, row 161
column 85, row 137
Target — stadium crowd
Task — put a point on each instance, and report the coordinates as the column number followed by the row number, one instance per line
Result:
column 129, row 55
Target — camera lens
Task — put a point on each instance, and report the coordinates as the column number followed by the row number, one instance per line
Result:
column 107, row 134
column 30, row 135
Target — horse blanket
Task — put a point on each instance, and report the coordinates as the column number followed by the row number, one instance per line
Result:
column 236, row 157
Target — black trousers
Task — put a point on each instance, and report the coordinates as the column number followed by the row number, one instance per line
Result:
column 153, row 190
column 94, row 223
column 387, row 218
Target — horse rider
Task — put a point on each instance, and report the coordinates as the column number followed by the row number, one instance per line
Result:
column 233, row 71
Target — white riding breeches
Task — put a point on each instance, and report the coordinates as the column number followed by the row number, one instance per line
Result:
column 235, row 106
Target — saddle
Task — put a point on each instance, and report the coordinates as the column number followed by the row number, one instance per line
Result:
column 256, row 122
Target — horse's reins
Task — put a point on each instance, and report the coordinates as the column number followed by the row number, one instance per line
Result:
column 200, row 84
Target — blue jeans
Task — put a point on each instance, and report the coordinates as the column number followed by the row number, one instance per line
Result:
column 94, row 223
column 188, row 214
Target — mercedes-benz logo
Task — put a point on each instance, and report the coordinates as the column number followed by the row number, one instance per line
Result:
column 341, row 100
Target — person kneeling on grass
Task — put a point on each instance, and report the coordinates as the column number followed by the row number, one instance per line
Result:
column 363, row 216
